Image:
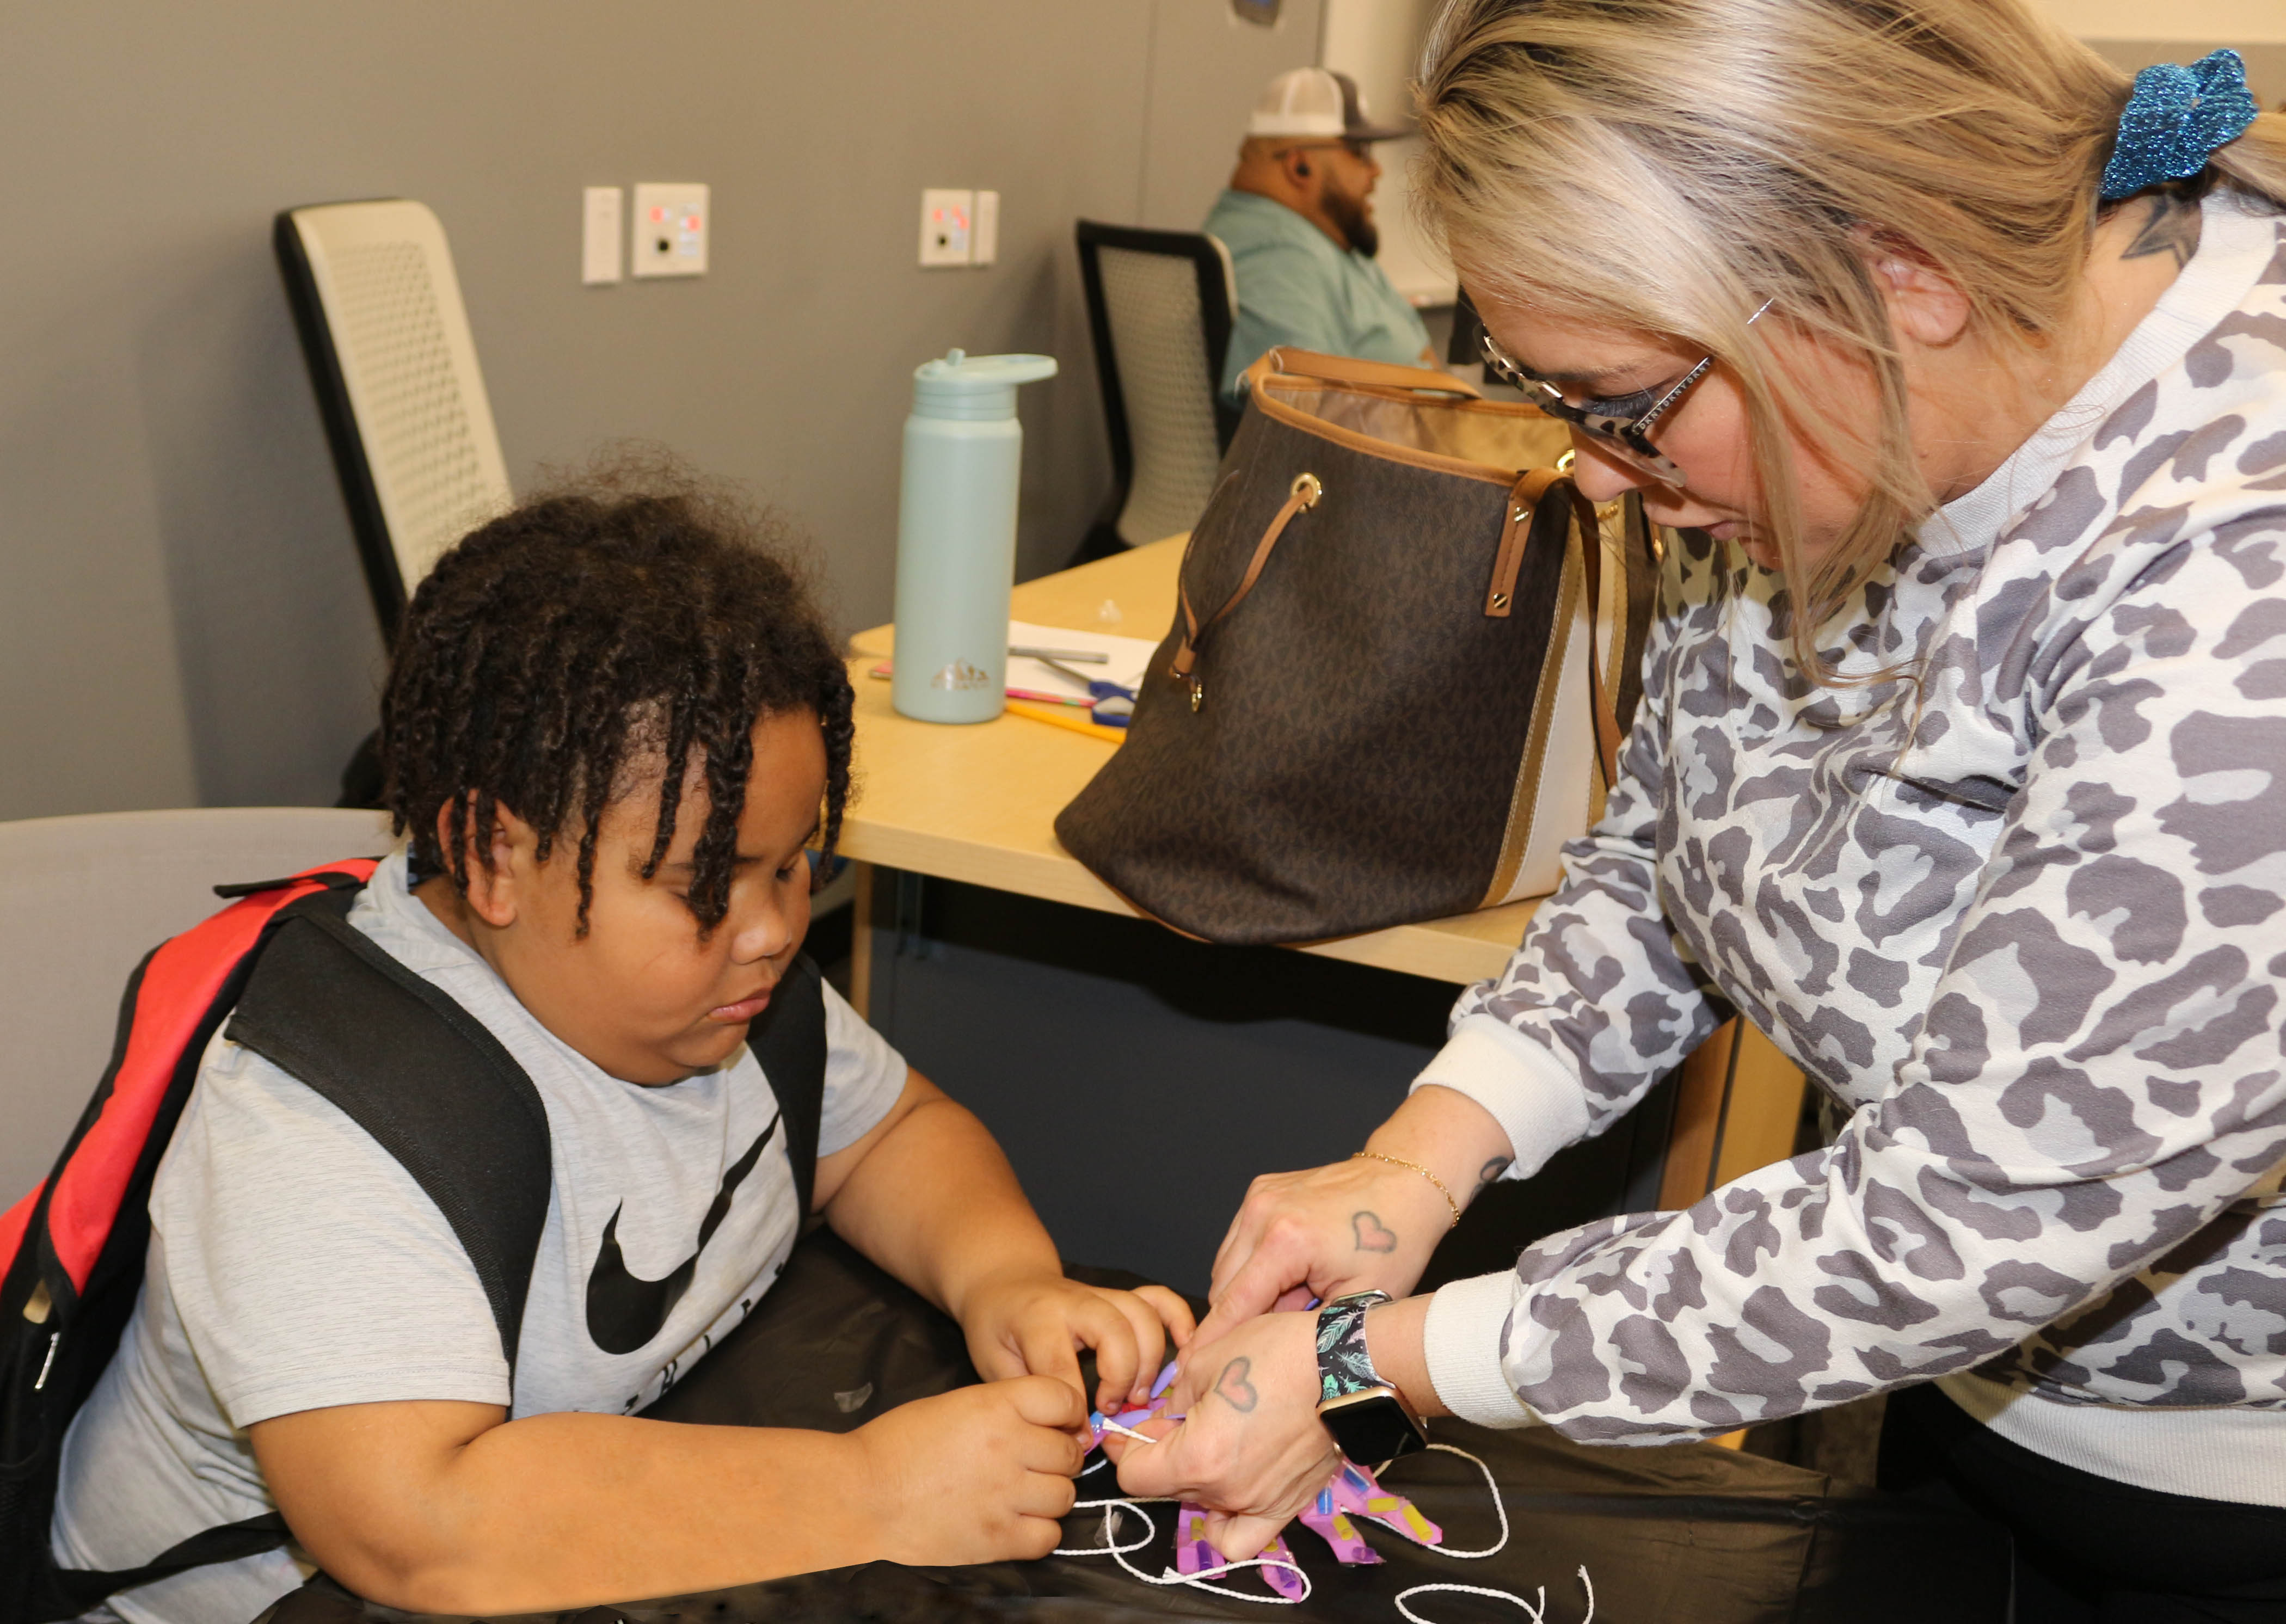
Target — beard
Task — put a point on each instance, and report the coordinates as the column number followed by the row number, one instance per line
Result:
column 1349, row 213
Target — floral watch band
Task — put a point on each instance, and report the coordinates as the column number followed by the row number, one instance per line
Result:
column 1344, row 1365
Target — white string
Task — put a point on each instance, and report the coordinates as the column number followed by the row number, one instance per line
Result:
column 1498, row 1595
column 1109, row 1425
column 1498, row 1505
column 1198, row 1582
column 1537, row 1612
column 1112, row 1548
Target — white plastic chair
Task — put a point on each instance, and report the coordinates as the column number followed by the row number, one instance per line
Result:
column 82, row 901
column 394, row 364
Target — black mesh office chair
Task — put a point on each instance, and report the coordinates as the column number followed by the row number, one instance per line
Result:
column 1160, row 305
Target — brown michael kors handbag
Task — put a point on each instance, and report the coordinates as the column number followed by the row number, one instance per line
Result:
column 1395, row 685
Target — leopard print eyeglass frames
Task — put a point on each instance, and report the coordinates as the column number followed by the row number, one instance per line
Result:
column 1624, row 433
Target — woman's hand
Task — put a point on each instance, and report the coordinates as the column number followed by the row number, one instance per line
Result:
column 1030, row 1324
column 1360, row 1225
column 1251, row 1445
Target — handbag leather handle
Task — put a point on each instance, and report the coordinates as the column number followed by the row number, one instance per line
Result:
column 1531, row 488
column 1300, row 497
column 1534, row 487
column 1348, row 369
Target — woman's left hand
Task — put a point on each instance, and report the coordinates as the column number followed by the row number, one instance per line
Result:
column 1035, row 1324
column 1250, row 1443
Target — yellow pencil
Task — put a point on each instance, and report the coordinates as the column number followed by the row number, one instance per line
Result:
column 1066, row 716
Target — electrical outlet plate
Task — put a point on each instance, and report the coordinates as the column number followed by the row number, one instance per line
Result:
column 599, row 234
column 984, row 233
column 948, row 215
column 671, row 227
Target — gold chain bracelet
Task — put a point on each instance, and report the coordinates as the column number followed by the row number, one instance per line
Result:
column 1374, row 1156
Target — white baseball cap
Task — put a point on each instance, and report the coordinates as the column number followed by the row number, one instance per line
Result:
column 1314, row 101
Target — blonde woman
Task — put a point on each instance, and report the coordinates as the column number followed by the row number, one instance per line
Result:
column 1960, row 772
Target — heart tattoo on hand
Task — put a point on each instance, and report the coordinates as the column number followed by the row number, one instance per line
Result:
column 1233, row 1387
column 1372, row 1234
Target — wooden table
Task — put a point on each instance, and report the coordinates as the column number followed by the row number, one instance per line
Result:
column 978, row 804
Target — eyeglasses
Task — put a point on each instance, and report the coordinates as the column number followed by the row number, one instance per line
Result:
column 1623, row 433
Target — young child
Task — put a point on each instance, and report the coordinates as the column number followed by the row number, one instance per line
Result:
column 615, row 727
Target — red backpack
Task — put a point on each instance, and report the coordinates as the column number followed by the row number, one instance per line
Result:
column 301, row 987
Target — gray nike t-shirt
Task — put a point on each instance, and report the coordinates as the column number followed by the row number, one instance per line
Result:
column 295, row 1265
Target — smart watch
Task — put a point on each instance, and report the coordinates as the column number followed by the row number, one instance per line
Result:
column 1366, row 1416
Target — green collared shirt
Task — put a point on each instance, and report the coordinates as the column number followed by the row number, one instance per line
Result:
column 1296, row 287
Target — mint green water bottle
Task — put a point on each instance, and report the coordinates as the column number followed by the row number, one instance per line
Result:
column 957, row 535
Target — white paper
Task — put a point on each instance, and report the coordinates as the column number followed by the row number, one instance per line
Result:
column 1129, row 656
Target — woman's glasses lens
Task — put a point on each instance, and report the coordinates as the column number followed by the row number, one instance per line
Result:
column 1620, row 440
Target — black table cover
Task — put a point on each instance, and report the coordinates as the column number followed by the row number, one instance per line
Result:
column 1676, row 1533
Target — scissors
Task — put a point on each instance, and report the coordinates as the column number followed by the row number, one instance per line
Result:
column 1114, row 705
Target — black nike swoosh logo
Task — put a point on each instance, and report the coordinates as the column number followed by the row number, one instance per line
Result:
column 624, row 1310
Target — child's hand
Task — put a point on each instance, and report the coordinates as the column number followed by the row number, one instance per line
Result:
column 980, row 1474
column 1035, row 1324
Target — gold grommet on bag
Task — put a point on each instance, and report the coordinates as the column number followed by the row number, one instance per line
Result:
column 1307, row 487
column 1500, row 599
column 1198, row 694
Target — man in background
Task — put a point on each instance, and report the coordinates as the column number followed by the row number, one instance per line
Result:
column 1297, row 219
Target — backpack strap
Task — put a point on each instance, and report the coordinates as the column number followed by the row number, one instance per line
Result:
column 420, row 1074
column 789, row 1043
column 438, row 1091
column 74, row 1591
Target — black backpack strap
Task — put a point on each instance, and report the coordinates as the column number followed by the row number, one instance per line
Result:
column 420, row 1074
column 75, row 1590
column 789, row 1042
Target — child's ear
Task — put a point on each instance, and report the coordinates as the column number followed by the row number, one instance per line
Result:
column 495, row 887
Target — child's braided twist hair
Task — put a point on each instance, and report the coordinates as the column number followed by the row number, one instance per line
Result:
column 554, row 648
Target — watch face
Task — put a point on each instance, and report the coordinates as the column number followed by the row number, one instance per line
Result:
column 1372, row 1428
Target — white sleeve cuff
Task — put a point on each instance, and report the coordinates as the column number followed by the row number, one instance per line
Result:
column 1532, row 1094
column 1462, row 1341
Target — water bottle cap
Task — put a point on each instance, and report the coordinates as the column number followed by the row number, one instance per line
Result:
column 980, row 387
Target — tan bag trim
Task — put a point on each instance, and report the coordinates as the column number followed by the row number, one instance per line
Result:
column 1350, row 369
column 1294, row 417
column 1516, row 530
column 1524, row 800
column 1586, row 574
column 1618, row 617
column 1591, row 554
column 1300, row 497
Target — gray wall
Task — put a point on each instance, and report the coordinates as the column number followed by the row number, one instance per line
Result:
column 181, row 616
column 2266, row 64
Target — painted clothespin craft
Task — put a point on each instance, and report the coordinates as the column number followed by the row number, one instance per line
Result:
column 1194, row 1556
column 1353, row 1494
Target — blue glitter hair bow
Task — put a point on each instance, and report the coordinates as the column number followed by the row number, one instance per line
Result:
column 2175, row 119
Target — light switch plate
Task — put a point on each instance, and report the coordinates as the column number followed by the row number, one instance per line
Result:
column 599, row 234
column 947, row 216
column 671, row 227
column 984, row 230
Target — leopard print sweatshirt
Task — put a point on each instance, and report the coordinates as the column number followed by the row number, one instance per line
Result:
column 2022, row 920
